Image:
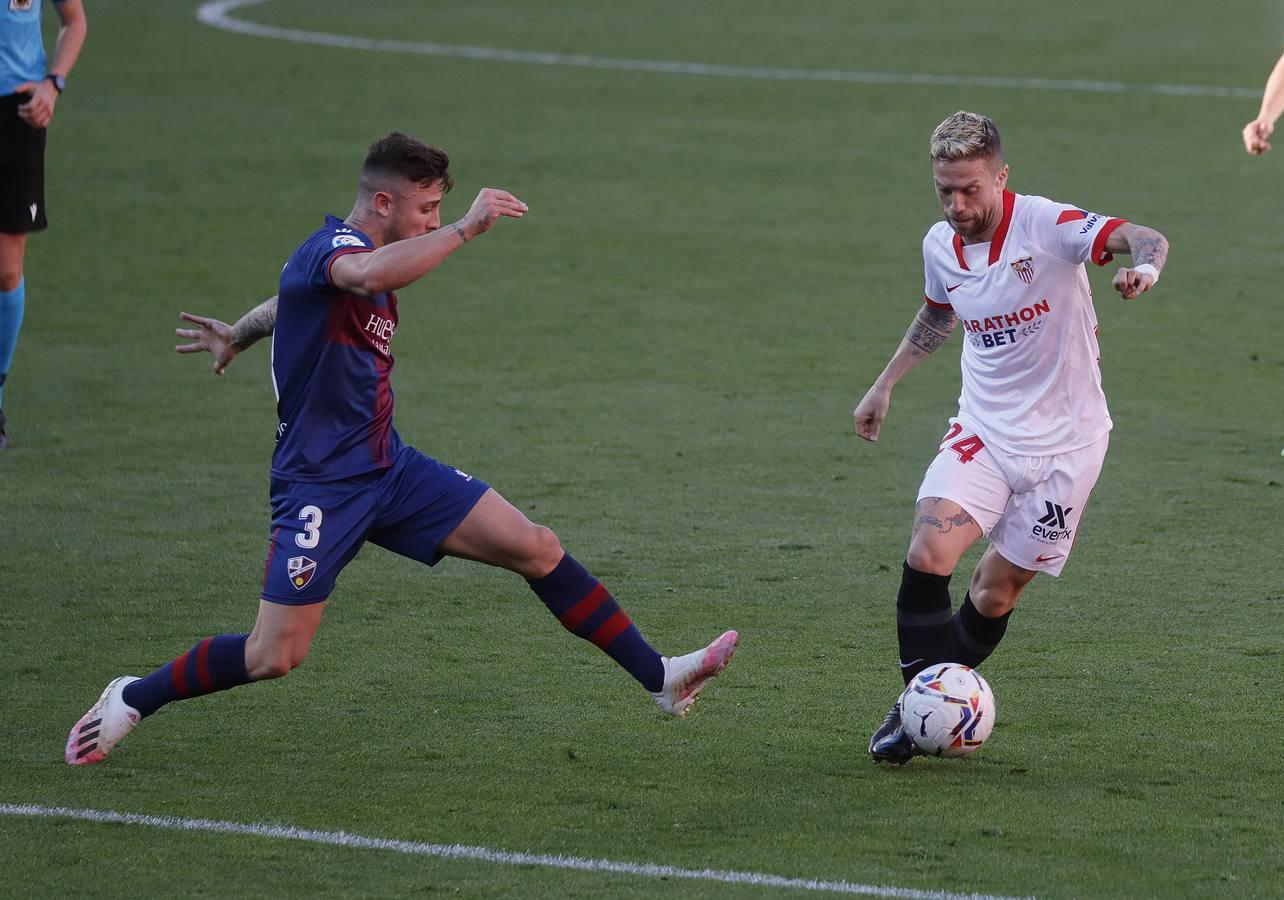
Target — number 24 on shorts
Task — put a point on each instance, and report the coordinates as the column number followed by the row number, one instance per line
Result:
column 965, row 447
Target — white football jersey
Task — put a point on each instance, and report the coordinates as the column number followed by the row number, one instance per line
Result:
column 1031, row 379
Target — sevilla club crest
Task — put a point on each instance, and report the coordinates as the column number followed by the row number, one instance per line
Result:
column 301, row 570
column 1024, row 269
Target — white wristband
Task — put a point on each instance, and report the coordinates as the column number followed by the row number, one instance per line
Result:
column 1149, row 270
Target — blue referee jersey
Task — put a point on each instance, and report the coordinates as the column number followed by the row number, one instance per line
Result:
column 22, row 51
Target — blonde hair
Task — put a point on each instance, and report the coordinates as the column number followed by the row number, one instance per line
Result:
column 966, row 135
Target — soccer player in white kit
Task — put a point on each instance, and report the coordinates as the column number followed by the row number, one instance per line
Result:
column 1019, row 461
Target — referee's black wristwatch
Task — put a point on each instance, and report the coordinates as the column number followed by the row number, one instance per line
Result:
column 59, row 82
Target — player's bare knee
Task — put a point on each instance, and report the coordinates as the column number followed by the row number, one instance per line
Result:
column 264, row 669
column 277, row 666
column 928, row 560
column 10, row 277
column 546, row 551
column 275, row 661
column 993, row 602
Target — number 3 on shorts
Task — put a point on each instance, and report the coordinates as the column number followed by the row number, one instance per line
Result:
column 311, row 528
column 966, row 448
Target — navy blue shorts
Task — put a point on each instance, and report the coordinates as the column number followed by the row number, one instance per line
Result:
column 318, row 527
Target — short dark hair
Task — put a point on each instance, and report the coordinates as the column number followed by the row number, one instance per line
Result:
column 401, row 156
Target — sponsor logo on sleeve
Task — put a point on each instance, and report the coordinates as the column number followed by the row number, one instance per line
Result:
column 347, row 240
column 1090, row 224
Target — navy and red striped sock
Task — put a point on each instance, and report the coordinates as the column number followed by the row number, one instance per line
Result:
column 215, row 664
column 586, row 608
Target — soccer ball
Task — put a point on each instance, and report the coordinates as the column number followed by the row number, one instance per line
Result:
column 948, row 710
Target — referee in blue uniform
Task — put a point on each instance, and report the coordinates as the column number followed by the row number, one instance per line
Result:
column 29, row 90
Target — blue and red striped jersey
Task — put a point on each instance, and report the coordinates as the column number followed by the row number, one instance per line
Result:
column 331, row 366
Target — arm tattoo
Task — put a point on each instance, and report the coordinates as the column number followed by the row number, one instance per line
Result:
column 257, row 323
column 1149, row 248
column 930, row 329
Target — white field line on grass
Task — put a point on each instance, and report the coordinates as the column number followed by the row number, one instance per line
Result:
column 216, row 14
column 479, row 854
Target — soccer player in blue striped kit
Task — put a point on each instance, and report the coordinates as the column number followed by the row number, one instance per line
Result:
column 341, row 475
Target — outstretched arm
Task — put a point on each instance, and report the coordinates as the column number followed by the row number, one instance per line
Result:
column 1257, row 131
column 929, row 330
column 1149, row 251
column 223, row 341
column 395, row 265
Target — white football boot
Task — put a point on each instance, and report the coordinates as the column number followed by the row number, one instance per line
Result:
column 103, row 727
column 686, row 676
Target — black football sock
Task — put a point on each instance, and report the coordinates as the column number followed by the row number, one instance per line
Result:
column 972, row 636
column 922, row 619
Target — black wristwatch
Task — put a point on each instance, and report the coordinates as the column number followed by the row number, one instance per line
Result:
column 59, row 83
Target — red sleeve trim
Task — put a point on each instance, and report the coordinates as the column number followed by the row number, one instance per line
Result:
column 343, row 251
column 1100, row 255
column 932, row 303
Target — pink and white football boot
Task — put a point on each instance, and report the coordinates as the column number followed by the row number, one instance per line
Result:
column 686, row 676
column 103, row 727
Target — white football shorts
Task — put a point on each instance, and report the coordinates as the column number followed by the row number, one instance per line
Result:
column 1030, row 507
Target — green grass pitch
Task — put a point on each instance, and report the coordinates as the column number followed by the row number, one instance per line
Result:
column 660, row 363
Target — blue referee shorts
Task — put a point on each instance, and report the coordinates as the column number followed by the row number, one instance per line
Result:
column 318, row 527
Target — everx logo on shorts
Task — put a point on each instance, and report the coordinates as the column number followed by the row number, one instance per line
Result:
column 301, row 570
column 1052, row 525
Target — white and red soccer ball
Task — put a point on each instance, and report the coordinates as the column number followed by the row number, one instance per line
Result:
column 948, row 710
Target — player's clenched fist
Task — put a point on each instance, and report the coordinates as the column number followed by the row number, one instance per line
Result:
column 490, row 204
column 870, row 413
column 1256, row 133
column 1131, row 283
